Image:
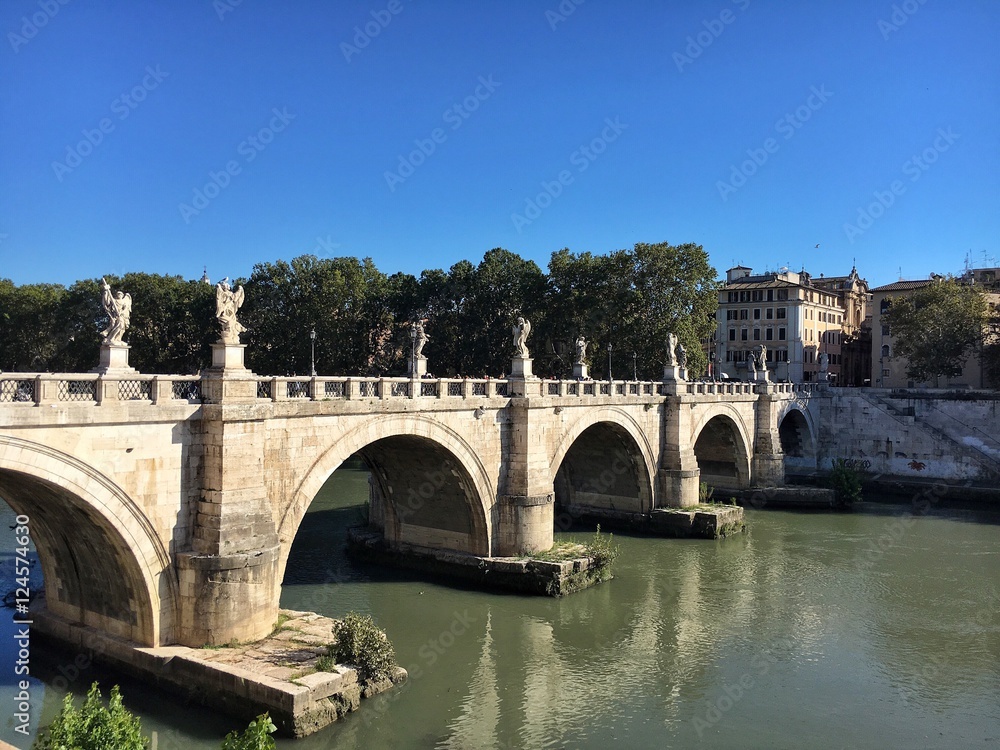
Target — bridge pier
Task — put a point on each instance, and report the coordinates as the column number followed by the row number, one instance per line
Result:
column 229, row 582
column 526, row 502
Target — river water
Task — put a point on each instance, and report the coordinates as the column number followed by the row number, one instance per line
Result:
column 873, row 629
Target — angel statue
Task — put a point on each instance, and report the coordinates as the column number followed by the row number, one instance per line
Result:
column 118, row 306
column 420, row 338
column 581, row 350
column 227, row 302
column 521, row 330
column 672, row 350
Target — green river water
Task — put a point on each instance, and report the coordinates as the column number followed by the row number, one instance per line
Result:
column 872, row 629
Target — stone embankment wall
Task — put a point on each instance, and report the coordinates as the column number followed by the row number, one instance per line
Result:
column 928, row 434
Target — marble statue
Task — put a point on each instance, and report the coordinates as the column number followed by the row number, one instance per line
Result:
column 682, row 356
column 752, row 363
column 118, row 306
column 761, row 352
column 521, row 330
column 421, row 339
column 671, row 350
column 824, row 365
column 227, row 302
column 581, row 349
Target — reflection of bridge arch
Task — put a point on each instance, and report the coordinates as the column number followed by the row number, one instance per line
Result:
column 722, row 448
column 604, row 460
column 437, row 490
column 102, row 561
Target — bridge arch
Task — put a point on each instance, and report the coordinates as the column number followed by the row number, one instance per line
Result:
column 722, row 447
column 797, row 434
column 103, row 564
column 418, row 466
column 604, row 460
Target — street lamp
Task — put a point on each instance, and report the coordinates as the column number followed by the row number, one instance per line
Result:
column 312, row 341
column 635, row 372
column 609, row 362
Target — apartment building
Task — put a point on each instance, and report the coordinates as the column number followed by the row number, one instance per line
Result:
column 795, row 317
column 888, row 370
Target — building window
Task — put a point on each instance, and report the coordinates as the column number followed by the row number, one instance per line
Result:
column 743, row 296
column 885, row 373
column 756, row 313
column 781, row 312
column 885, row 350
column 769, row 334
column 743, row 335
column 756, row 334
column 770, row 295
column 782, row 294
column 744, row 313
column 781, row 334
column 732, row 334
column 769, row 313
column 885, row 330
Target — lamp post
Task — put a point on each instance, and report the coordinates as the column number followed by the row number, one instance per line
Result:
column 635, row 371
column 312, row 356
column 609, row 362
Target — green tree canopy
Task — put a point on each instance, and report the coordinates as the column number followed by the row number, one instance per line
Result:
column 936, row 327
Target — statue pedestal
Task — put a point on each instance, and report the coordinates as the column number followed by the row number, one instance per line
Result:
column 520, row 367
column 114, row 360
column 228, row 379
column 761, row 377
column 228, row 356
column 673, row 372
column 580, row 371
column 420, row 369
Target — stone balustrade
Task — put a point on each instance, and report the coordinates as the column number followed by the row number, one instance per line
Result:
column 37, row 389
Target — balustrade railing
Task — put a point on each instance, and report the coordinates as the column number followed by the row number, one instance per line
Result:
column 92, row 388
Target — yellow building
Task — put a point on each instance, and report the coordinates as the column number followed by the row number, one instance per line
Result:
column 888, row 370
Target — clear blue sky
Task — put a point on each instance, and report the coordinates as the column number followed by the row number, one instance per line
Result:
column 691, row 87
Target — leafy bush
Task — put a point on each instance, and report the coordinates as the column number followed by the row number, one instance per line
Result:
column 94, row 726
column 705, row 492
column 846, row 483
column 361, row 644
column 602, row 549
column 257, row 736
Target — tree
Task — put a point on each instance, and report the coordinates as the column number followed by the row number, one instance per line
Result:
column 94, row 726
column 936, row 327
column 632, row 299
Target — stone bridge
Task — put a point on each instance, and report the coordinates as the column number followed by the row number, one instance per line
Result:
column 164, row 508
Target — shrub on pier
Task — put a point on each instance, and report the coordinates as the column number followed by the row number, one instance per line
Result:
column 361, row 644
column 94, row 726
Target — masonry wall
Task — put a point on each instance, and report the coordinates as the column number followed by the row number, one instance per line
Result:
column 938, row 435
